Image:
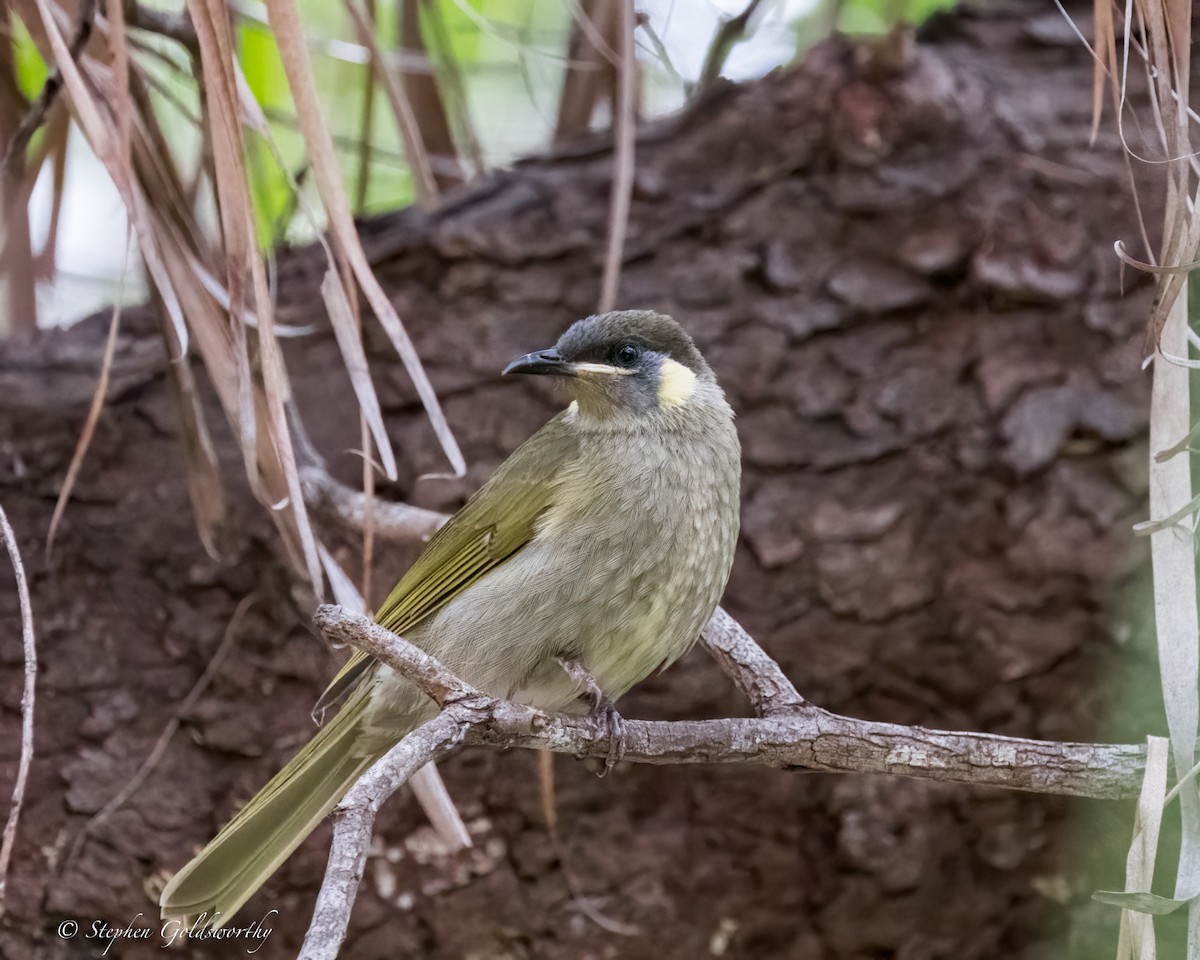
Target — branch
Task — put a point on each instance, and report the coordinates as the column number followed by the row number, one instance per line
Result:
column 790, row 734
column 790, row 731
column 392, row 521
column 798, row 735
column 27, row 697
column 727, row 36
column 353, row 821
column 744, row 662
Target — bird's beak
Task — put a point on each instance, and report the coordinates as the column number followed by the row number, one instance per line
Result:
column 545, row 362
column 550, row 363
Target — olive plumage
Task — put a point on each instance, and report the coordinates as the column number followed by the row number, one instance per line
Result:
column 604, row 541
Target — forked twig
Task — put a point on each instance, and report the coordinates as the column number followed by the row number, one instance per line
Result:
column 790, row 735
column 728, row 34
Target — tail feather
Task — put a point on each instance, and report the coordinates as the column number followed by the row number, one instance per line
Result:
column 239, row 859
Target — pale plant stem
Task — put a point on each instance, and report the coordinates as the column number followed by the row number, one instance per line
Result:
column 29, row 646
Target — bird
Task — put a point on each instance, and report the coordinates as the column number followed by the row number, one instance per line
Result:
column 593, row 556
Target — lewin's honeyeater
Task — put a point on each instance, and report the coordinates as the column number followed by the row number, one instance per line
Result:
column 600, row 547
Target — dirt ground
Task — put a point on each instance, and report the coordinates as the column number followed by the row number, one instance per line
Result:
column 901, row 269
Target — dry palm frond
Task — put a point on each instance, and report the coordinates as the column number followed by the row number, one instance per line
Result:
column 298, row 68
column 224, row 108
column 229, row 321
column 1105, row 59
column 346, row 328
column 214, row 293
column 1136, row 936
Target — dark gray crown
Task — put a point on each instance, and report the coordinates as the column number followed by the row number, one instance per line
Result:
column 596, row 338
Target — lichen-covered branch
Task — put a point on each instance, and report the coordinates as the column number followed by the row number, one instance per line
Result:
column 746, row 663
column 803, row 736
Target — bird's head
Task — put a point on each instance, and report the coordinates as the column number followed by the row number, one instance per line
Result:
column 632, row 362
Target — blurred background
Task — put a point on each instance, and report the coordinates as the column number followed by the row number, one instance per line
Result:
column 501, row 65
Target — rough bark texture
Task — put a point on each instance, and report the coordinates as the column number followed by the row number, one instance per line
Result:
column 905, row 280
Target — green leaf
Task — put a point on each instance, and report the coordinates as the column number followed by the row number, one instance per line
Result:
column 259, row 57
column 31, row 69
column 1150, row 903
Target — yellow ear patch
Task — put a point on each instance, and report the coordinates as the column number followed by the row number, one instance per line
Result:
column 676, row 383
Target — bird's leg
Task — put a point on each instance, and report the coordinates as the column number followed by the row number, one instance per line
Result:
column 601, row 707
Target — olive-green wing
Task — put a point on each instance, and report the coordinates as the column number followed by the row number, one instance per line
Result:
column 493, row 525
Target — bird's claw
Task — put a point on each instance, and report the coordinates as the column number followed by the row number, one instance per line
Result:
column 602, row 710
column 614, row 724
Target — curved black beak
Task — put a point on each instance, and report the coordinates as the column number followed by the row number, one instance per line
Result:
column 542, row 362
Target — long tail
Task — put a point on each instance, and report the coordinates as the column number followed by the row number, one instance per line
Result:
column 239, row 859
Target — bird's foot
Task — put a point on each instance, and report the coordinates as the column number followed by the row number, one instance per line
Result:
column 602, row 709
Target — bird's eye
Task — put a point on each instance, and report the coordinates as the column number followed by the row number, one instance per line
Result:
column 626, row 355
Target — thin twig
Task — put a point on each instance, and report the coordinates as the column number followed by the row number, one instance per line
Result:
column 93, row 416
column 27, row 698
column 727, row 36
